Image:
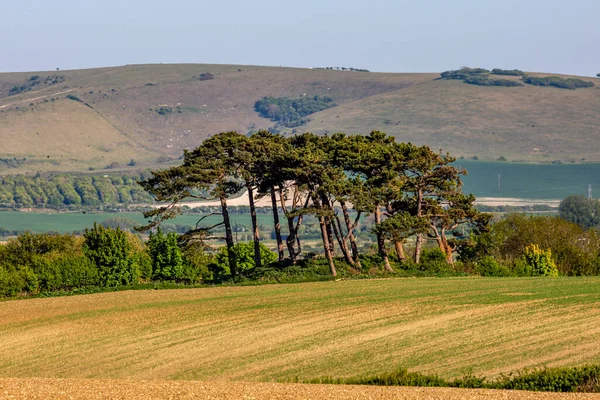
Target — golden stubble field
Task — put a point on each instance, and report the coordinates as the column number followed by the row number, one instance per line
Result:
column 278, row 332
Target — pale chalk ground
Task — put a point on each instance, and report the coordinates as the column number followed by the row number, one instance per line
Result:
column 265, row 201
column 37, row 388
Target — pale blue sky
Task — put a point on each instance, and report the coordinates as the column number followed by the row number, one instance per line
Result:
column 380, row 35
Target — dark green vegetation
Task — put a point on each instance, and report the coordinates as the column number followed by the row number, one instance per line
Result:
column 505, row 250
column 291, row 113
column 34, row 81
column 580, row 210
column 122, row 120
column 61, row 190
column 584, row 379
column 102, row 258
column 558, row 82
column 411, row 191
column 485, row 81
column 481, row 77
column 510, row 72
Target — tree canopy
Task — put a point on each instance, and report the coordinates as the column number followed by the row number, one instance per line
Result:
column 409, row 190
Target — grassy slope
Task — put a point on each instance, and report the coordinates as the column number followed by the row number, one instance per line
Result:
column 122, row 99
column 464, row 119
column 483, row 121
column 444, row 326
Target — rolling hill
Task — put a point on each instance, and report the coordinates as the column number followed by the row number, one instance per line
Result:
column 83, row 119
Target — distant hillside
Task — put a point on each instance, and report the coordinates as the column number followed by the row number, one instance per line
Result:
column 82, row 119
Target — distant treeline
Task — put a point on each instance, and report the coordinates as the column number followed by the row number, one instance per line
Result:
column 292, row 112
column 343, row 69
column 71, row 190
column 481, row 77
column 558, row 82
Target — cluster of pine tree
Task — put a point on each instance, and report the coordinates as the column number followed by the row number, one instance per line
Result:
column 412, row 191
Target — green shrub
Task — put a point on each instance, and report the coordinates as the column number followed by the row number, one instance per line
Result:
column 486, row 81
column 511, row 72
column 110, row 251
column 166, row 256
column 488, row 266
column 558, row 82
column 74, row 98
column 574, row 379
column 196, row 262
column 541, row 261
column 11, row 283
column 244, row 255
column 76, row 271
column 433, row 260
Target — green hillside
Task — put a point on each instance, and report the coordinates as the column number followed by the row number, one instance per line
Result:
column 74, row 120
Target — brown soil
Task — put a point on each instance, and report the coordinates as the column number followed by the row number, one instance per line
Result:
column 36, row 388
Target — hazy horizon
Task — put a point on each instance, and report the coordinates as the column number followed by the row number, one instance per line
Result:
column 381, row 35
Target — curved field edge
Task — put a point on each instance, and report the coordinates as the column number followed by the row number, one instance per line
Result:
column 448, row 327
column 128, row 389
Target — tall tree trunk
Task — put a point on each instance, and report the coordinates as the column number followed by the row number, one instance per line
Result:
column 228, row 237
column 419, row 242
column 291, row 238
column 330, row 236
column 337, row 229
column 400, row 251
column 276, row 224
column 326, row 246
column 350, row 227
column 325, row 235
column 255, row 233
column 381, row 242
column 447, row 249
column 339, row 234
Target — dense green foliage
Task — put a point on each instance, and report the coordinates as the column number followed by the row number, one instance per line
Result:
column 510, row 72
column 109, row 249
column 574, row 379
column 485, row 81
column 292, row 112
column 166, row 256
column 58, row 191
column 464, row 73
column 539, row 261
column 578, row 209
column 411, row 191
column 558, row 82
column 481, row 77
column 244, row 259
column 102, row 258
column 574, row 250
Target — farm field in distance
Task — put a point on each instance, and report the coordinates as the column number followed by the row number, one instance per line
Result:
column 66, row 222
column 521, row 181
column 449, row 326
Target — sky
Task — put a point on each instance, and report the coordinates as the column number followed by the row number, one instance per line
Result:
column 379, row 35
